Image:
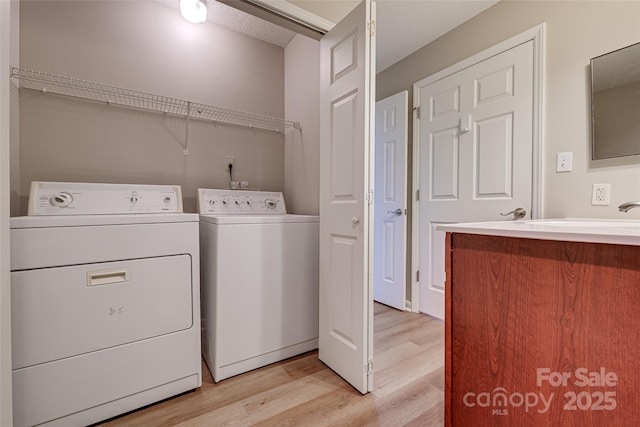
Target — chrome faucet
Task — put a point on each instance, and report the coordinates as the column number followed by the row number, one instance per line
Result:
column 626, row 207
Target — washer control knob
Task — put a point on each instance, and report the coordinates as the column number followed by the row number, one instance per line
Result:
column 237, row 202
column 167, row 199
column 61, row 200
column 271, row 204
column 133, row 199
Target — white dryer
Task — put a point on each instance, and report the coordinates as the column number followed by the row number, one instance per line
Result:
column 105, row 302
column 259, row 270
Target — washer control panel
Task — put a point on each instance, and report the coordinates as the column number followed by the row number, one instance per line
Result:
column 74, row 198
column 240, row 202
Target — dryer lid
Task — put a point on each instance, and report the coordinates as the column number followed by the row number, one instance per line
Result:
column 44, row 221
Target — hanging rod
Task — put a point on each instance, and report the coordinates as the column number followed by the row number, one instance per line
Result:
column 69, row 86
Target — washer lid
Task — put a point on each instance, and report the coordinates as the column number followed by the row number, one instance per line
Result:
column 259, row 219
column 96, row 220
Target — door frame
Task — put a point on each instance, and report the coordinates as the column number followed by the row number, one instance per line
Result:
column 6, row 414
column 535, row 34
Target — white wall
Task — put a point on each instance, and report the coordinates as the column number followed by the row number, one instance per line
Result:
column 302, row 103
column 576, row 32
column 146, row 46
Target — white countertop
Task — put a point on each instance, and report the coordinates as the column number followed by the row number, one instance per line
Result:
column 619, row 232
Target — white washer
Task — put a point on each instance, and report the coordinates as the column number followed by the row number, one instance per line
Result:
column 105, row 304
column 259, row 269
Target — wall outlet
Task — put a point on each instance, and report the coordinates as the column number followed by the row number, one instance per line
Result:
column 600, row 194
column 229, row 160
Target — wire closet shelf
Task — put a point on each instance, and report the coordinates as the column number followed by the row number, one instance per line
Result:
column 69, row 86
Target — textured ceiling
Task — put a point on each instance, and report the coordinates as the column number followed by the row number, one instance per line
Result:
column 403, row 26
column 236, row 20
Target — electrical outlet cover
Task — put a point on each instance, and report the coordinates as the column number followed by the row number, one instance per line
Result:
column 600, row 194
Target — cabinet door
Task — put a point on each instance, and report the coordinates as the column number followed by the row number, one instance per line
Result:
column 542, row 333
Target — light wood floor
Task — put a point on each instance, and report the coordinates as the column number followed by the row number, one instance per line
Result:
column 302, row 391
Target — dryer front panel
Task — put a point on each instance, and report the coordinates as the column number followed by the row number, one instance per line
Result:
column 66, row 311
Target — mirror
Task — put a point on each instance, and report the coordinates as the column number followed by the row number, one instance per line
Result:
column 615, row 103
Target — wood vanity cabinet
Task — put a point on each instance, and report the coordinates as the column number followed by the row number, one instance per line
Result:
column 541, row 332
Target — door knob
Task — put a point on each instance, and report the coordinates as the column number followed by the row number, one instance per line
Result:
column 355, row 220
column 396, row 212
column 518, row 213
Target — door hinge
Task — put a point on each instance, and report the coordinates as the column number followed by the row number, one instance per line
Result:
column 372, row 27
column 368, row 368
column 418, row 195
column 417, row 110
column 417, row 275
column 370, row 197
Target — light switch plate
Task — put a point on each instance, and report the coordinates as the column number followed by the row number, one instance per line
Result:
column 564, row 162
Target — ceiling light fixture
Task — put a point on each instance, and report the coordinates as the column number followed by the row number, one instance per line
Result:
column 194, row 10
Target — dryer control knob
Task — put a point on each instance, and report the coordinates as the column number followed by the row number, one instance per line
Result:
column 61, row 200
column 271, row 204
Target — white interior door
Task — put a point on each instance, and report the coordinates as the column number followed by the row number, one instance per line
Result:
column 345, row 301
column 475, row 155
column 390, row 201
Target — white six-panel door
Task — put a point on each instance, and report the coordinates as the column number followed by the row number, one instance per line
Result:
column 345, row 299
column 475, row 155
column 390, row 205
